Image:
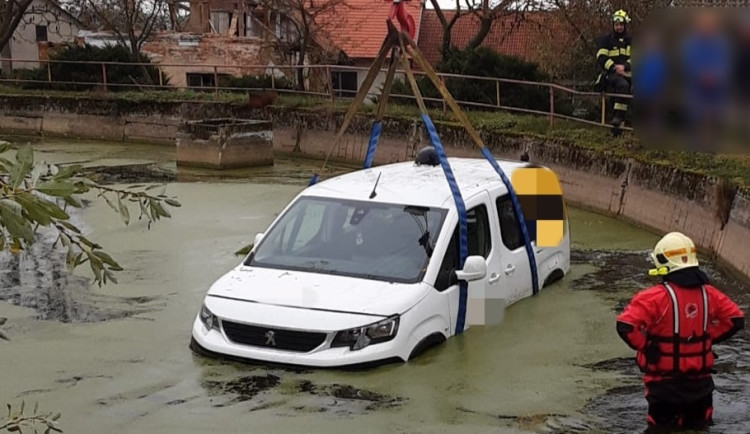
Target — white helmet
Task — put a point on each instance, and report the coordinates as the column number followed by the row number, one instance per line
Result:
column 673, row 252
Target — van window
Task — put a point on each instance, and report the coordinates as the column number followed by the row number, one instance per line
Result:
column 509, row 228
column 480, row 243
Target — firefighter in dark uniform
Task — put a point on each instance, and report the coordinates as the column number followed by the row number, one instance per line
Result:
column 613, row 58
column 672, row 326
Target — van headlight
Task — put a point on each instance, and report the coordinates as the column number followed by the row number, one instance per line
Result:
column 360, row 337
column 208, row 318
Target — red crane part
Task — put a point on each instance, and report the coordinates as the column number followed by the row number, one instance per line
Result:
column 405, row 20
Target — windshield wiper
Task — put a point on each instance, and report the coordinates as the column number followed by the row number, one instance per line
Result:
column 424, row 240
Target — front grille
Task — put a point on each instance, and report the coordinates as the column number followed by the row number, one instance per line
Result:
column 269, row 337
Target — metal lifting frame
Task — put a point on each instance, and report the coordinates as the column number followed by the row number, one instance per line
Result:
column 399, row 44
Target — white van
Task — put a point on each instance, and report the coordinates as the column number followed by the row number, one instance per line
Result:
column 362, row 268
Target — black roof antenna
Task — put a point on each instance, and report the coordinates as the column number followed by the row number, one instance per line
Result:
column 373, row 194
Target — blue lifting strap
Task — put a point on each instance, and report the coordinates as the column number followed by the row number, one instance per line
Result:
column 374, row 138
column 463, row 247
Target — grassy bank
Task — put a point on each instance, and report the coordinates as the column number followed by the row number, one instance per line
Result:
column 735, row 168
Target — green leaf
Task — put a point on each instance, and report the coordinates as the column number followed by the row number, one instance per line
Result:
column 109, row 202
column 106, row 258
column 67, row 171
column 161, row 209
column 153, row 214
column 12, row 206
column 111, row 276
column 57, row 188
column 245, row 250
column 25, row 155
column 142, row 204
column 124, row 212
column 89, row 243
column 70, row 226
column 34, row 208
column 70, row 259
column 97, row 270
column 53, row 210
column 24, row 163
column 70, row 200
column 14, row 222
column 172, row 202
column 37, row 171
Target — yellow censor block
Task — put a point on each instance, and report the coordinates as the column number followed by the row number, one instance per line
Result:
column 541, row 199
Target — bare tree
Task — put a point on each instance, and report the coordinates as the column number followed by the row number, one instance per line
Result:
column 490, row 11
column 447, row 25
column 178, row 12
column 301, row 29
column 486, row 13
column 130, row 21
column 11, row 14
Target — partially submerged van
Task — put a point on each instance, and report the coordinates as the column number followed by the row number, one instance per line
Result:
column 363, row 268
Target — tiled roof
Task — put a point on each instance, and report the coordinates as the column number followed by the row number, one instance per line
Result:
column 508, row 35
column 360, row 28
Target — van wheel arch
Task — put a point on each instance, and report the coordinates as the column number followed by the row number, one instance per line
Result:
column 553, row 277
column 428, row 342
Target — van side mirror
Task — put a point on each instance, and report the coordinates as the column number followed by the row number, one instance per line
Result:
column 475, row 268
column 258, row 237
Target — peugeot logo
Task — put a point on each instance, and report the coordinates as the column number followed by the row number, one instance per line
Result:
column 271, row 338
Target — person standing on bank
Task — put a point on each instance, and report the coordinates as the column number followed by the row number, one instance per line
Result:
column 613, row 58
column 673, row 326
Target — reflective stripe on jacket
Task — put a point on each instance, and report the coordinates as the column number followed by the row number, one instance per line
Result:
column 611, row 50
column 673, row 328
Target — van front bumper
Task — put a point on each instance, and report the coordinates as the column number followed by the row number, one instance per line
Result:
column 215, row 342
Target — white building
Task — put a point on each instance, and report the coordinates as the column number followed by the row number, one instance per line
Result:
column 45, row 23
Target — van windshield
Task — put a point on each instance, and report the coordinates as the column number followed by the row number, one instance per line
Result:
column 352, row 238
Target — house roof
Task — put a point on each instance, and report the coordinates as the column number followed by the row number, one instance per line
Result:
column 509, row 35
column 360, row 28
column 54, row 5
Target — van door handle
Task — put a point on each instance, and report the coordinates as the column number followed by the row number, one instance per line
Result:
column 494, row 277
column 510, row 269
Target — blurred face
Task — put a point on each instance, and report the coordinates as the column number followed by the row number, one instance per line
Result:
column 651, row 41
column 619, row 26
column 706, row 23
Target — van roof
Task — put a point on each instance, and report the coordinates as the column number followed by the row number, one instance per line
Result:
column 410, row 184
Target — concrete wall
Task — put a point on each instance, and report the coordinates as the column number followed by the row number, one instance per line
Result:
column 715, row 215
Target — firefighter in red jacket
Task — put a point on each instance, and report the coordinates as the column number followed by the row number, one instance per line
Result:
column 672, row 326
